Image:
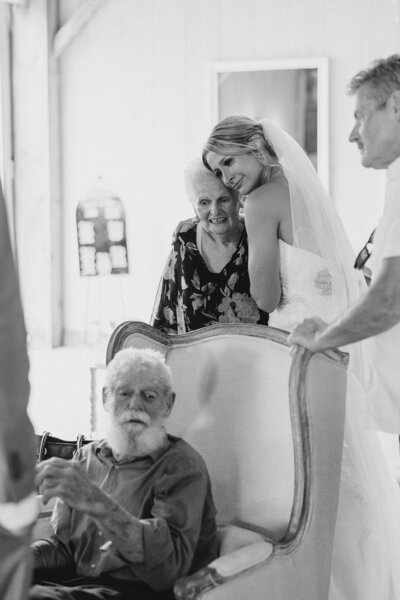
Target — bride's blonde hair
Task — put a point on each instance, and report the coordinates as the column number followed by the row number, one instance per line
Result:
column 240, row 135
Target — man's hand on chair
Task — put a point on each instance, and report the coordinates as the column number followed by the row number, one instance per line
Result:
column 308, row 333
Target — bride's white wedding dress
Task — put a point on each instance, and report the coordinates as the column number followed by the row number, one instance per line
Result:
column 366, row 552
column 306, row 288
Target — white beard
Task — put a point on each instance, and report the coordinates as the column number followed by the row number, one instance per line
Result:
column 127, row 445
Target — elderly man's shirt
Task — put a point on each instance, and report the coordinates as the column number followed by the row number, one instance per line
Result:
column 385, row 347
column 190, row 296
column 169, row 492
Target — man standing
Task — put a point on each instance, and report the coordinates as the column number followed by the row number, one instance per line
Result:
column 135, row 510
column 18, row 502
column 376, row 314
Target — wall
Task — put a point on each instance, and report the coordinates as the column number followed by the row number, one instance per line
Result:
column 136, row 93
column 136, row 105
column 31, row 165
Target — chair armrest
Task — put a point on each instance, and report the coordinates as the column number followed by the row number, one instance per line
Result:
column 242, row 559
column 222, row 569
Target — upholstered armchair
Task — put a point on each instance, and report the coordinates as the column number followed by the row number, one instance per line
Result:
column 270, row 428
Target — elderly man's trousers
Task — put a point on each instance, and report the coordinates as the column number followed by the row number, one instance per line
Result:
column 45, row 587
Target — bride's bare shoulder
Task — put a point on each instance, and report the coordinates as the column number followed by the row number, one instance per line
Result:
column 271, row 196
column 268, row 207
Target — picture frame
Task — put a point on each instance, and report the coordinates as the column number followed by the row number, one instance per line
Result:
column 293, row 93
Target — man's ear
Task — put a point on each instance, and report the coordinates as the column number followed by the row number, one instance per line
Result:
column 169, row 404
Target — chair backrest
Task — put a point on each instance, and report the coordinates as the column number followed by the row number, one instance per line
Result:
column 234, row 406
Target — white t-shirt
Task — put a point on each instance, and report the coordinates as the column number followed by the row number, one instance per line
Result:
column 385, row 347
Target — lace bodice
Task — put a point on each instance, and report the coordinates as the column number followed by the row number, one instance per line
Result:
column 306, row 288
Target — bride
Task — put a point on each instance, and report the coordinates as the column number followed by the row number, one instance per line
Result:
column 300, row 265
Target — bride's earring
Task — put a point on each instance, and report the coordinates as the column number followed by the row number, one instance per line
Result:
column 258, row 149
column 261, row 153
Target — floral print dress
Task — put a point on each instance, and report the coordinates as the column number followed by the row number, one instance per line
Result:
column 190, row 296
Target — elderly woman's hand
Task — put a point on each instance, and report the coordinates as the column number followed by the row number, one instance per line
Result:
column 68, row 480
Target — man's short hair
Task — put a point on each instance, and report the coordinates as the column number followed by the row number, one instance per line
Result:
column 380, row 79
column 137, row 359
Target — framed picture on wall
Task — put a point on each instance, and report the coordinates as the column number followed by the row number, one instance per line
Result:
column 293, row 93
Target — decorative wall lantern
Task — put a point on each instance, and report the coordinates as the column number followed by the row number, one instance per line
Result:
column 100, row 220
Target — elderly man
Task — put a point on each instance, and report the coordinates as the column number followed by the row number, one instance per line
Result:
column 376, row 314
column 206, row 279
column 135, row 511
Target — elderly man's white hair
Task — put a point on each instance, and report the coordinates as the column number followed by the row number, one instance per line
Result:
column 138, row 359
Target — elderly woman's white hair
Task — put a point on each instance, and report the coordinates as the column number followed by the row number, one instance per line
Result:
column 197, row 171
column 139, row 359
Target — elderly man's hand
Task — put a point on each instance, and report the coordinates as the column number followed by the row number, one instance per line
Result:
column 307, row 334
column 67, row 479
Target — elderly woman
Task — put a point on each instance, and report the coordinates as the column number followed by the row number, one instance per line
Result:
column 206, row 279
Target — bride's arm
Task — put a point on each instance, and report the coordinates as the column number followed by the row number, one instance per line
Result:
column 262, row 215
